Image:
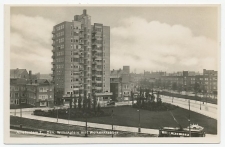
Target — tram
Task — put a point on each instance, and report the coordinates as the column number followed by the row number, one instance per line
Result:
column 195, row 131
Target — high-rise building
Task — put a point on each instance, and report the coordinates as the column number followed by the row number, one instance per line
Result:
column 81, row 59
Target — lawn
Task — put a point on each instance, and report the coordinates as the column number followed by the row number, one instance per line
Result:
column 128, row 116
column 13, row 106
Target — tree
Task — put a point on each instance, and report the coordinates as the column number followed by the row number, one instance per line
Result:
column 89, row 102
column 75, row 103
column 99, row 107
column 79, row 103
column 95, row 101
column 214, row 94
column 179, row 87
column 196, row 88
column 147, row 94
column 167, row 84
column 79, row 100
column 132, row 97
column 164, row 85
column 174, row 86
column 85, row 100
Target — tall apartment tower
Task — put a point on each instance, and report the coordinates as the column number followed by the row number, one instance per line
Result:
column 81, row 59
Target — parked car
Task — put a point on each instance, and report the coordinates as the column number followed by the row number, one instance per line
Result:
column 110, row 103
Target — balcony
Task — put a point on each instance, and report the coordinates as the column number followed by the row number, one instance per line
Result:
column 85, row 38
column 81, row 29
column 53, row 57
column 98, row 75
column 81, row 36
column 97, row 88
column 86, row 44
column 98, row 63
column 53, row 32
column 52, row 75
column 98, row 57
column 94, row 43
column 53, row 69
column 96, row 81
column 53, row 63
column 81, row 42
column 99, row 69
column 76, row 56
column 94, row 32
column 53, row 37
column 81, row 55
column 53, row 44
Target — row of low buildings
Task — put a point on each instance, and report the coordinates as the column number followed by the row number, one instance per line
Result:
column 122, row 82
column 185, row 81
column 31, row 89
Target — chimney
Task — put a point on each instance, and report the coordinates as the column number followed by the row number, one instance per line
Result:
column 30, row 73
column 85, row 12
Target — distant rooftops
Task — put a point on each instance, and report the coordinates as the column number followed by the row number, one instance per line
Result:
column 17, row 73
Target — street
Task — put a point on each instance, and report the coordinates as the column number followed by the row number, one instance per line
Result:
column 207, row 109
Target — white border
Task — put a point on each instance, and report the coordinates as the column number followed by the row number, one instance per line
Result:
column 132, row 2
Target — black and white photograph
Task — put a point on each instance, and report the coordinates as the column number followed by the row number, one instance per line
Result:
column 130, row 74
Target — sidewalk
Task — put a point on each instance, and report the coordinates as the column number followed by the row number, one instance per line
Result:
column 209, row 110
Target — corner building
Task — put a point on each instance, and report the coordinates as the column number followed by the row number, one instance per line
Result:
column 81, row 59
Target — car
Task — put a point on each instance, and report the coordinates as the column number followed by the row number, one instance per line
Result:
column 110, row 103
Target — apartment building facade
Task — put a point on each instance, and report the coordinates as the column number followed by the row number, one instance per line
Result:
column 186, row 81
column 122, row 84
column 81, row 59
column 24, row 89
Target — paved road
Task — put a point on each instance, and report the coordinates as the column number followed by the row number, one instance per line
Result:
column 207, row 109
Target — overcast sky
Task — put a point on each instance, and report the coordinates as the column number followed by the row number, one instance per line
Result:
column 145, row 38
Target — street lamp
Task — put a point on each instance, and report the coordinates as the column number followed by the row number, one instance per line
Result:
column 189, row 120
column 86, row 134
column 57, row 113
column 68, row 121
column 20, row 112
column 139, row 125
column 112, row 124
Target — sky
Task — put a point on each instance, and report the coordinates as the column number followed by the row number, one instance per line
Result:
column 145, row 38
